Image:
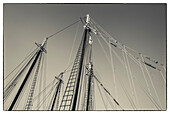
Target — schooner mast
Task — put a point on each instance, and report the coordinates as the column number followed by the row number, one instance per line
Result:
column 82, row 74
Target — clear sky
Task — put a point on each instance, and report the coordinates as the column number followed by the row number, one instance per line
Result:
column 139, row 26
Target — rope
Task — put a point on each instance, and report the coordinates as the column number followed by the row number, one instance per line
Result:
column 127, row 73
column 151, row 99
column 48, row 104
column 151, row 81
column 162, row 76
column 145, row 78
column 127, row 95
column 40, row 93
column 20, row 70
column 102, row 97
column 108, row 92
column 130, row 74
column 63, row 29
column 113, row 72
column 27, row 86
column 103, row 50
column 46, row 96
column 108, row 99
column 120, row 44
column 19, row 64
column 9, row 87
column 73, row 45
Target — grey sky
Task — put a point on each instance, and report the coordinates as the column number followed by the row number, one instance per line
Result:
column 139, row 26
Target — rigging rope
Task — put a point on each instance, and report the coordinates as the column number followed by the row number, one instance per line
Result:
column 145, row 78
column 129, row 80
column 20, row 64
column 107, row 92
column 73, row 45
column 44, row 98
column 130, row 74
column 113, row 73
column 129, row 54
column 98, row 27
column 151, row 99
column 40, row 93
column 127, row 95
column 10, row 86
column 63, row 29
column 23, row 93
column 163, row 76
column 20, row 70
column 108, row 99
column 102, row 97
column 103, row 49
column 151, row 81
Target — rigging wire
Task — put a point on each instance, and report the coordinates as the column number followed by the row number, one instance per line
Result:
column 40, row 93
column 63, row 29
column 74, row 42
column 130, row 74
column 120, row 44
column 139, row 61
column 71, row 52
column 10, row 86
column 147, row 85
column 20, row 70
column 163, row 76
column 108, row 99
column 151, row 82
column 108, row 92
column 127, row 94
column 48, row 102
column 20, row 64
column 116, row 53
column 102, row 97
column 112, row 50
column 99, row 78
column 103, row 49
column 151, row 99
column 27, row 86
column 113, row 72
column 44, row 98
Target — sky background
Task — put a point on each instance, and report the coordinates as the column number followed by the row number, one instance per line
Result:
column 139, row 26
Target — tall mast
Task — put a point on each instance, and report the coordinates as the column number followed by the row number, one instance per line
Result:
column 86, row 35
column 41, row 49
column 70, row 98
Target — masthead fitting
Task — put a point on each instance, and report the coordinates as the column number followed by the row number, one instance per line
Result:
column 44, row 42
column 87, row 18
